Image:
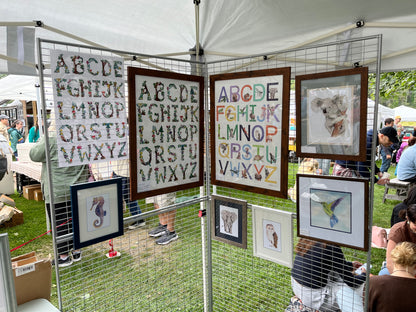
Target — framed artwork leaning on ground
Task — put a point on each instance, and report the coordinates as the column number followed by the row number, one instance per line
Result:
column 229, row 220
column 331, row 114
column 249, row 122
column 97, row 211
column 333, row 210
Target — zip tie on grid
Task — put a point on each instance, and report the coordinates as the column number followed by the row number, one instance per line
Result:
column 15, row 248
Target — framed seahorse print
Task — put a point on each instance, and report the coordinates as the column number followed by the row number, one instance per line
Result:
column 97, row 211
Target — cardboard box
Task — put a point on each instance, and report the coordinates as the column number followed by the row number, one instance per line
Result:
column 15, row 220
column 32, row 278
column 38, row 195
column 7, row 200
column 28, row 191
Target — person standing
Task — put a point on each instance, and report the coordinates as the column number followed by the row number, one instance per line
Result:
column 62, row 178
column 15, row 135
column 34, row 133
column 4, row 125
column 166, row 228
column 386, row 152
column 121, row 170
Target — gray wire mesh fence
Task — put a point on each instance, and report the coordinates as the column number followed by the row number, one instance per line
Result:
column 194, row 272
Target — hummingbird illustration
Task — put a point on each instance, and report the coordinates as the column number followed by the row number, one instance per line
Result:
column 329, row 208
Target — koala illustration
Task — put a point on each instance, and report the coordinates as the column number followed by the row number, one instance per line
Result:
column 229, row 218
column 335, row 112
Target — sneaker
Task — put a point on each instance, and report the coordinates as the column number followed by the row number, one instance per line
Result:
column 137, row 225
column 64, row 262
column 167, row 238
column 76, row 256
column 158, row 231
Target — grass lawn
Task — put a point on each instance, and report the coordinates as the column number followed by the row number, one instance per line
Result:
column 225, row 259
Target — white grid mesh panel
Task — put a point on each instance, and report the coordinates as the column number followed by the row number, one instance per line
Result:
column 148, row 277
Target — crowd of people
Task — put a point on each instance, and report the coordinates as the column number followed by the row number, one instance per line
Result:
column 14, row 133
column 320, row 270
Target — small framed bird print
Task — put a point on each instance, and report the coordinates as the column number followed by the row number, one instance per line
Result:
column 333, row 210
column 273, row 235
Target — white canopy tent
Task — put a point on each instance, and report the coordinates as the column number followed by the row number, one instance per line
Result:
column 406, row 113
column 383, row 113
column 221, row 27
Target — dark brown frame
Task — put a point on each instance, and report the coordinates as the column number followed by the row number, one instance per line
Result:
column 329, row 233
column 241, row 206
column 284, row 73
column 132, row 72
column 336, row 152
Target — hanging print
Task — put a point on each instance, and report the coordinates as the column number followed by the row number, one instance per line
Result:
column 166, row 118
column 249, row 130
column 89, row 105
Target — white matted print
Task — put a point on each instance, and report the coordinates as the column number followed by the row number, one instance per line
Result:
column 333, row 210
column 98, row 214
column 228, row 224
column 90, row 108
column 273, row 235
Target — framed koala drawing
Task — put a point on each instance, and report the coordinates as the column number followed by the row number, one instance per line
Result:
column 331, row 114
column 229, row 220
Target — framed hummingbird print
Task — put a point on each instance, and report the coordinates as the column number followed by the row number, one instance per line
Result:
column 333, row 210
column 97, row 211
column 273, row 235
column 331, row 114
column 249, row 125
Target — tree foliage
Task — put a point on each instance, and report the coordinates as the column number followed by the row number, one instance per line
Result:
column 396, row 88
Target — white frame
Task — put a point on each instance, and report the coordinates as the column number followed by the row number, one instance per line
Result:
column 283, row 254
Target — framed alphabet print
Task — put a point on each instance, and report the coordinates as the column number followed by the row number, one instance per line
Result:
column 166, row 118
column 249, row 130
column 331, row 114
column 273, row 235
column 333, row 210
column 229, row 220
column 97, row 211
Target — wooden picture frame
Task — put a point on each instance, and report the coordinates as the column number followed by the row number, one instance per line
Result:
column 331, row 114
column 166, row 119
column 97, row 211
column 229, row 220
column 333, row 210
column 249, row 122
column 273, row 235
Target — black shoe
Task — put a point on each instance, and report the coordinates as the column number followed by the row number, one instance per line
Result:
column 137, row 225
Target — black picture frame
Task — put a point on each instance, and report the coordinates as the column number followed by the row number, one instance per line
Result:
column 229, row 220
column 97, row 211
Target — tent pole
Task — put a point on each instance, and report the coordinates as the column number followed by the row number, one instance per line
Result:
column 196, row 2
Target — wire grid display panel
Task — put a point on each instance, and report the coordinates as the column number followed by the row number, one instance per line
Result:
column 147, row 276
column 240, row 281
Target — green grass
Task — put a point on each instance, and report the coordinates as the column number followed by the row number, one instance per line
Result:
column 34, row 225
column 245, row 269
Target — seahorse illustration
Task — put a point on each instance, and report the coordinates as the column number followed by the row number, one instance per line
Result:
column 98, row 203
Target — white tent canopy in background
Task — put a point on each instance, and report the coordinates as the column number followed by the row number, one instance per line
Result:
column 383, row 113
column 406, row 113
column 21, row 88
column 225, row 27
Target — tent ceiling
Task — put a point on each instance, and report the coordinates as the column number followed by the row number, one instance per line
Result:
column 237, row 27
